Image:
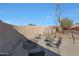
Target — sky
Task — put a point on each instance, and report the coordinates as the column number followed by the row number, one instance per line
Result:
column 37, row 13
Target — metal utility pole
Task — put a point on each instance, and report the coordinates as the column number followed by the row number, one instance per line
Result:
column 58, row 13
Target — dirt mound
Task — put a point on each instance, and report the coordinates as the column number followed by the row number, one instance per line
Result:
column 30, row 31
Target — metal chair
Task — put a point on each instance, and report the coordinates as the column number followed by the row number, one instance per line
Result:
column 55, row 45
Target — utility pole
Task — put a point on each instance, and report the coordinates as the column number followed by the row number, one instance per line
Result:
column 58, row 13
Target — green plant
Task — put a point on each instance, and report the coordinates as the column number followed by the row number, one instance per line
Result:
column 66, row 23
column 31, row 24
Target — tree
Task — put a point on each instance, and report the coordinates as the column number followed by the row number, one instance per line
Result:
column 77, row 23
column 31, row 24
column 66, row 23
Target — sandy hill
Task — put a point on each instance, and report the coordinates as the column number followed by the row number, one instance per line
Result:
column 30, row 31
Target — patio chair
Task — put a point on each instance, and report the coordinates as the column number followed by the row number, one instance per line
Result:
column 55, row 45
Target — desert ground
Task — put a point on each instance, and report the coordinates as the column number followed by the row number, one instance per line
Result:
column 13, row 36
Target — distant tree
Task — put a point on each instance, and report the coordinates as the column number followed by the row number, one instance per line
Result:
column 31, row 24
column 77, row 23
column 66, row 23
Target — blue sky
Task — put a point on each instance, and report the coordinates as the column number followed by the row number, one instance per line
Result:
column 39, row 14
